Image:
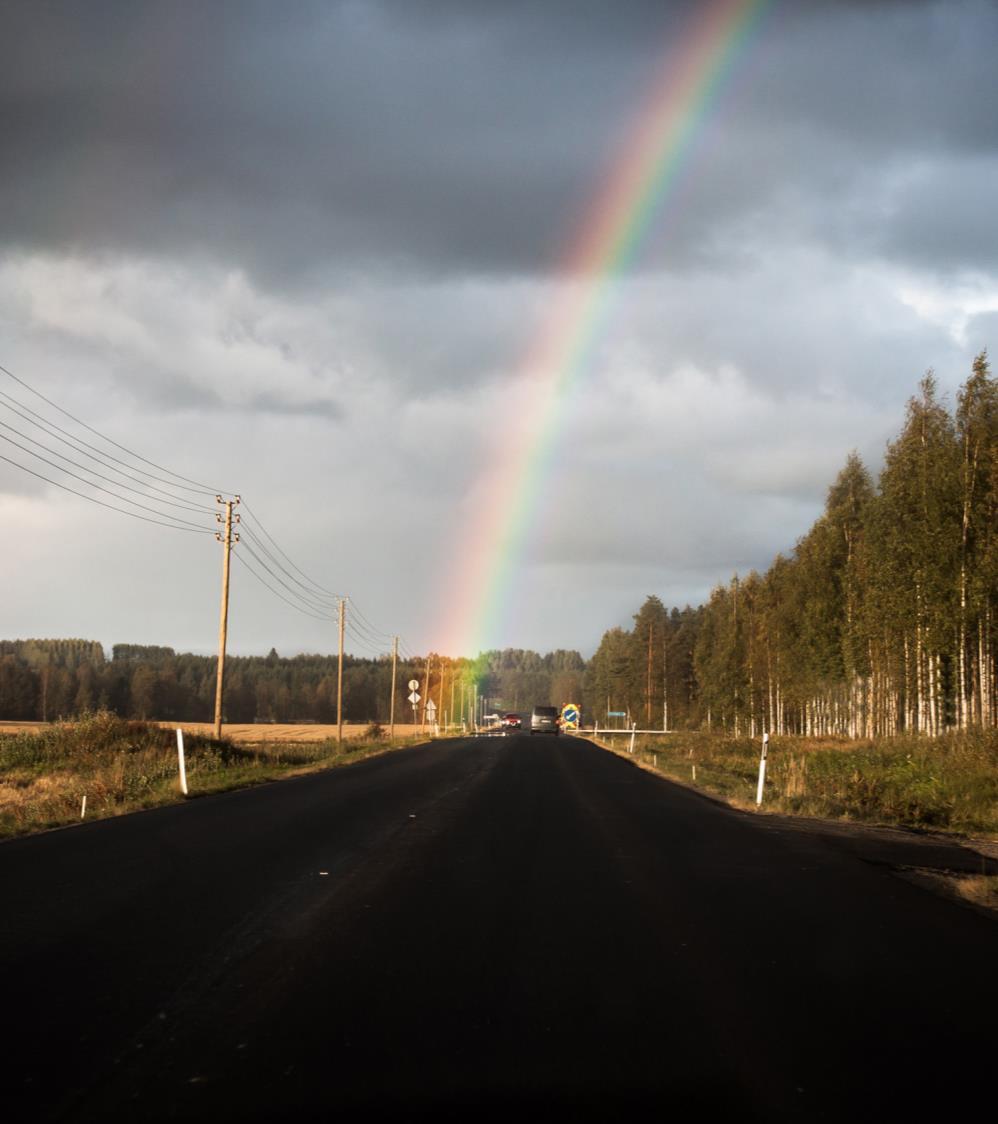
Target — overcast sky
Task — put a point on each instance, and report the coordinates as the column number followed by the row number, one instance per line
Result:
column 297, row 252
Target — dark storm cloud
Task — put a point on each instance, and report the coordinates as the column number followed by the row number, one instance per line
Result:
column 438, row 136
column 285, row 137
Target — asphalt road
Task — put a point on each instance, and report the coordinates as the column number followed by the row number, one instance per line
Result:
column 496, row 926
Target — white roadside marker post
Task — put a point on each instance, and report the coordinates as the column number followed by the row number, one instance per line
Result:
column 762, row 770
column 634, row 727
column 180, row 761
column 83, row 807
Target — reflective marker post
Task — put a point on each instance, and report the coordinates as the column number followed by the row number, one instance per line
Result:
column 762, row 769
column 180, row 761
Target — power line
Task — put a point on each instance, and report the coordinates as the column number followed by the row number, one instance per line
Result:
column 101, row 503
column 100, row 476
column 370, row 626
column 89, row 483
column 314, row 594
column 313, row 608
column 365, row 644
column 242, row 561
column 109, row 440
column 263, row 548
column 80, row 446
column 366, row 632
column 311, row 581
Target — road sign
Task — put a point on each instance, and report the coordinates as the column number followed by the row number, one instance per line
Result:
column 414, row 697
column 413, row 684
column 570, row 716
column 431, row 709
column 616, row 714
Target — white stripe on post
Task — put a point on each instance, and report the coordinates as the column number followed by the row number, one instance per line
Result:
column 180, row 761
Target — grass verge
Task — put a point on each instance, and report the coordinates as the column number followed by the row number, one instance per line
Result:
column 122, row 766
column 948, row 784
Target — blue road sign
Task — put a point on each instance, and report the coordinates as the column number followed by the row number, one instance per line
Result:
column 570, row 715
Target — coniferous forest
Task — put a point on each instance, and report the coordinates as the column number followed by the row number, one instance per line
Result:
column 883, row 619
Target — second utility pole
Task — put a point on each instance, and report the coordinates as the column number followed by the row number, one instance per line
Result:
column 339, row 674
column 391, row 709
column 223, row 625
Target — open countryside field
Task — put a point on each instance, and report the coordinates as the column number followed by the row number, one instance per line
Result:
column 943, row 784
column 53, row 774
column 257, row 732
column 253, row 733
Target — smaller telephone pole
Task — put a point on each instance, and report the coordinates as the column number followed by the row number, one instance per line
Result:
column 339, row 674
column 391, row 710
column 453, row 681
column 426, row 689
column 223, row 625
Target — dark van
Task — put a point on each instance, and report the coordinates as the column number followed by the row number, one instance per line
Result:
column 544, row 720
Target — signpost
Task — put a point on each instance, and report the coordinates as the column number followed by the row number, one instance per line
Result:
column 414, row 697
column 762, row 770
column 570, row 716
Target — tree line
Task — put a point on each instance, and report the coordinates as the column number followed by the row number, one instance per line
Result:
column 883, row 619
column 51, row 679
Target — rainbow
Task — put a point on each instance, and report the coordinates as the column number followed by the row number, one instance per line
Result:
column 682, row 98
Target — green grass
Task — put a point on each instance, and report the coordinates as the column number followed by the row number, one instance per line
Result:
column 948, row 783
column 122, row 766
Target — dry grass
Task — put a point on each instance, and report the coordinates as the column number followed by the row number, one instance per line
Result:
column 949, row 783
column 122, row 766
column 981, row 889
column 255, row 733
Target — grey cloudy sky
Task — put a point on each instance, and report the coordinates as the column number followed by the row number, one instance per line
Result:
column 297, row 252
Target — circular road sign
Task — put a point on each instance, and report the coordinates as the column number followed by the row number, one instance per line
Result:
column 413, row 684
column 570, row 716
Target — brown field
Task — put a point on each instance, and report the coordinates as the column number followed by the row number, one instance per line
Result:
column 275, row 732
column 256, row 731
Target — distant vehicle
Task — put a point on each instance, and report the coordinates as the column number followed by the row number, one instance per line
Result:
column 512, row 721
column 544, row 720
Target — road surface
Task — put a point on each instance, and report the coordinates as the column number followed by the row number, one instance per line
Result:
column 491, row 925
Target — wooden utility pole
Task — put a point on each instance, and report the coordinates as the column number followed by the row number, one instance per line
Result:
column 339, row 673
column 391, row 709
column 223, row 625
column 453, row 681
column 426, row 689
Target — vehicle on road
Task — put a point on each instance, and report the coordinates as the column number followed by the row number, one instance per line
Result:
column 545, row 720
column 512, row 721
